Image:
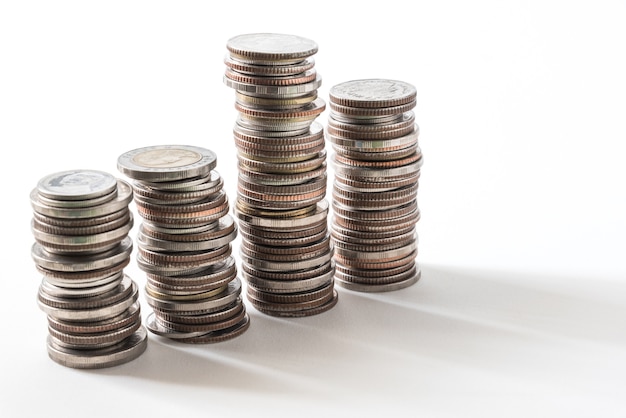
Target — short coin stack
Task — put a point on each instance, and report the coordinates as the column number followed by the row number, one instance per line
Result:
column 184, row 244
column 81, row 223
column 286, row 250
column 377, row 164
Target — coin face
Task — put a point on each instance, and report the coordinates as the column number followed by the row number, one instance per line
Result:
column 271, row 46
column 76, row 185
column 166, row 162
column 373, row 92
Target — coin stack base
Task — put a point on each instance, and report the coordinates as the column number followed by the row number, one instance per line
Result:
column 184, row 244
column 81, row 223
column 286, row 250
column 377, row 164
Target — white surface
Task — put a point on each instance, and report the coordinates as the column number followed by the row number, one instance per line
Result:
column 521, row 309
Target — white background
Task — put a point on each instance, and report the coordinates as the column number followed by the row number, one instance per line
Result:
column 521, row 309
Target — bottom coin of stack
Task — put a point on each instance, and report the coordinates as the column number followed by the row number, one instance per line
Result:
column 184, row 244
column 81, row 223
column 377, row 164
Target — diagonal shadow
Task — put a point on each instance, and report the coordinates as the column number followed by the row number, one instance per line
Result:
column 501, row 323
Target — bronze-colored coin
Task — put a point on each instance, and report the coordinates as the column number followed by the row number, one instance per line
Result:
column 304, row 251
column 271, row 238
column 375, row 275
column 212, row 201
column 380, row 164
column 310, row 110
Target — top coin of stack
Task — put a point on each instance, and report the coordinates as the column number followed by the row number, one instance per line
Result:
column 286, row 251
column 377, row 164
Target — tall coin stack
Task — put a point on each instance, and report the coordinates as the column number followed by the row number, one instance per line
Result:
column 377, row 164
column 81, row 223
column 286, row 251
column 184, row 244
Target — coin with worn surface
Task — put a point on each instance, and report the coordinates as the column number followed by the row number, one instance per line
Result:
column 161, row 163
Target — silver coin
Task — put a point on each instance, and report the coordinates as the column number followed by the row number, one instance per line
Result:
column 272, row 48
column 161, row 163
column 123, row 352
column 76, row 185
column 66, row 263
column 120, row 201
column 388, row 287
column 373, row 92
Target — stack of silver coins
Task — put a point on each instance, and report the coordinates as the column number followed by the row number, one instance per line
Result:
column 377, row 163
column 80, row 223
column 184, row 244
column 286, row 251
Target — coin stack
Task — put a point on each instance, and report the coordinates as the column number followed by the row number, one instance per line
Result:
column 377, row 163
column 81, row 222
column 286, row 252
column 184, row 244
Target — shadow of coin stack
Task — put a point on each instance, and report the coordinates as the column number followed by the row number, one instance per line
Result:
column 286, row 252
column 184, row 244
column 377, row 163
column 81, row 222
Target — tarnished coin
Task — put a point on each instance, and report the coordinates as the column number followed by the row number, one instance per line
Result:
column 161, row 163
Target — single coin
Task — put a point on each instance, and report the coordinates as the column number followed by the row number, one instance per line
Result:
column 76, row 185
column 373, row 92
column 161, row 163
column 270, row 48
column 123, row 352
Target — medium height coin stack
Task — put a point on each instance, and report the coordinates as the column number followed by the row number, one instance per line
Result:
column 184, row 244
column 286, row 251
column 81, row 223
column 377, row 164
